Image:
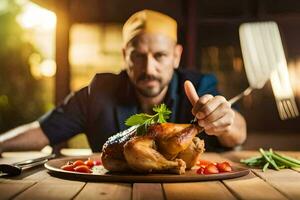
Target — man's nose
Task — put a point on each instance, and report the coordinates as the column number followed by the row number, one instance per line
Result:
column 150, row 64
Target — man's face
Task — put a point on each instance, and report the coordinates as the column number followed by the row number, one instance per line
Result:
column 150, row 61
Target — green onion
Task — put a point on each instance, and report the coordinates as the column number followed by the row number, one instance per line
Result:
column 284, row 161
column 290, row 159
column 271, row 159
column 266, row 167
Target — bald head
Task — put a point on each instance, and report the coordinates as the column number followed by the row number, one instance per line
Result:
column 148, row 21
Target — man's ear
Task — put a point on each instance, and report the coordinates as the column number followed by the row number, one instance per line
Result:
column 178, row 52
column 124, row 53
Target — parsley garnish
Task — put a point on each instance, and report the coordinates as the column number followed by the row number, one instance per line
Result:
column 144, row 120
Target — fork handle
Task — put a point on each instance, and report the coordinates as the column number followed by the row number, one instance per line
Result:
column 246, row 92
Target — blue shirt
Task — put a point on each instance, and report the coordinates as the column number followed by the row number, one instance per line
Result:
column 100, row 109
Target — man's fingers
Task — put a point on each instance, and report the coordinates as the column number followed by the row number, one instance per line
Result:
column 190, row 92
column 217, row 113
column 211, row 104
column 202, row 101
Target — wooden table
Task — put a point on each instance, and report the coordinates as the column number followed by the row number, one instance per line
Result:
column 38, row 184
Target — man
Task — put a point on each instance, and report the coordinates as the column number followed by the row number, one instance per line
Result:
column 152, row 56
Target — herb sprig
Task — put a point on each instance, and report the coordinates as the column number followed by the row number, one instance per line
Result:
column 143, row 120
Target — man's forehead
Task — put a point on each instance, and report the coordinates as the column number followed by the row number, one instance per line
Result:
column 149, row 40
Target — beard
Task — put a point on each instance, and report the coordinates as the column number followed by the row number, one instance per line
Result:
column 150, row 91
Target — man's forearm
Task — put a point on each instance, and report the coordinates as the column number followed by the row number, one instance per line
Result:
column 237, row 133
column 26, row 137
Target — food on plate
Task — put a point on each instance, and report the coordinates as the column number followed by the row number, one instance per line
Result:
column 81, row 166
column 224, row 167
column 208, row 167
column 153, row 145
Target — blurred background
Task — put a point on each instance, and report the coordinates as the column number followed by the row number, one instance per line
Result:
column 51, row 47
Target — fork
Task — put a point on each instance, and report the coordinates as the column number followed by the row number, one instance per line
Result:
column 283, row 92
column 287, row 108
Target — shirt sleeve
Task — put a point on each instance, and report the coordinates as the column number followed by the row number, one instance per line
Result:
column 67, row 119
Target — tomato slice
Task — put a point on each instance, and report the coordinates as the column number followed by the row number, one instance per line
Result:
column 83, row 169
column 200, row 170
column 77, row 163
column 89, row 162
column 224, row 167
column 204, row 163
column 68, row 167
column 211, row 169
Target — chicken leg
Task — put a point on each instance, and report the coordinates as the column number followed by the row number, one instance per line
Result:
column 142, row 156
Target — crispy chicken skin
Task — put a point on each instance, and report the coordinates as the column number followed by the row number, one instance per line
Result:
column 112, row 151
column 166, row 147
column 142, row 156
column 192, row 153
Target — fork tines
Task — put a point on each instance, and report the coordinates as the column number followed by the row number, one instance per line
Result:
column 287, row 108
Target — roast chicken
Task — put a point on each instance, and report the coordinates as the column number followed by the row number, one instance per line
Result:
column 164, row 148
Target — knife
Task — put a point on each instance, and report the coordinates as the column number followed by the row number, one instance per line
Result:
column 16, row 168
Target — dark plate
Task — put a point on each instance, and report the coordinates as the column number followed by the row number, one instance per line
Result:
column 104, row 176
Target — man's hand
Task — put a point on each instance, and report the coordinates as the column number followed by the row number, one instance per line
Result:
column 214, row 114
column 217, row 117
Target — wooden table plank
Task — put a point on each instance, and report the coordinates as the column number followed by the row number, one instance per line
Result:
column 286, row 181
column 147, row 191
column 197, row 190
column 297, row 169
column 215, row 157
column 38, row 184
column 10, row 189
column 52, row 188
column 34, row 174
column 105, row 191
column 252, row 187
column 236, row 156
column 39, row 175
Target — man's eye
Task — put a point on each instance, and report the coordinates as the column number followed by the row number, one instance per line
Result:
column 160, row 55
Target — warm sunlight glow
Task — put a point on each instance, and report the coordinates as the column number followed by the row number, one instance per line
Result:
column 48, row 68
column 34, row 16
column 94, row 48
